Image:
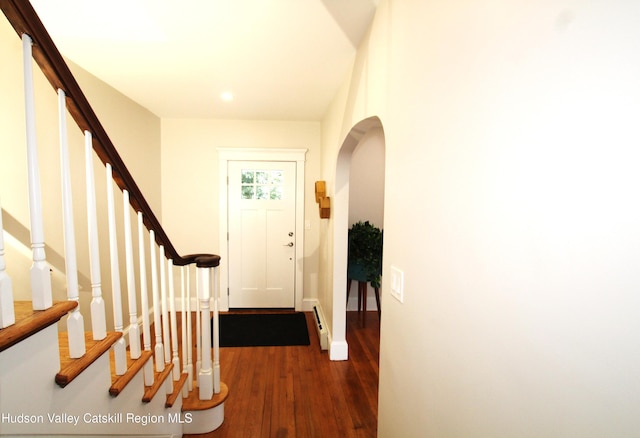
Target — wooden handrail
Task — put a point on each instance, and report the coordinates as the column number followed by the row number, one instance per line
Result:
column 24, row 19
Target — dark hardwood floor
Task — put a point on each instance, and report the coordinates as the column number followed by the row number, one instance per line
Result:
column 297, row 392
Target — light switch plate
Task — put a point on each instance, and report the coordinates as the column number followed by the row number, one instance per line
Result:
column 397, row 284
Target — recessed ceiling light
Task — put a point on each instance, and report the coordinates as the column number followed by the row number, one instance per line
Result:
column 227, row 96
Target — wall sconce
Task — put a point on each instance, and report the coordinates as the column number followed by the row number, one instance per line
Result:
column 324, row 203
column 325, row 208
column 321, row 190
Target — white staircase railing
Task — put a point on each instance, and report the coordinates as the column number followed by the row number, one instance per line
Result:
column 119, row 348
column 75, row 320
column 163, row 306
column 157, row 317
column 175, row 360
column 98, row 311
column 40, row 279
column 166, row 333
column 144, row 302
column 134, row 328
column 205, row 380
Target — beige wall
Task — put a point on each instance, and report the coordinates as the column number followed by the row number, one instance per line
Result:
column 363, row 95
column 517, row 122
column 134, row 131
column 190, row 189
column 366, row 187
column 366, row 194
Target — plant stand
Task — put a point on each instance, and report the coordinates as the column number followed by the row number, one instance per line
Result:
column 362, row 295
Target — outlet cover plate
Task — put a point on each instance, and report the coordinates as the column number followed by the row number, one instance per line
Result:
column 397, row 284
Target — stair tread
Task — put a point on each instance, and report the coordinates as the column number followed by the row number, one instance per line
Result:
column 193, row 403
column 177, row 390
column 29, row 321
column 71, row 368
column 118, row 383
column 158, row 381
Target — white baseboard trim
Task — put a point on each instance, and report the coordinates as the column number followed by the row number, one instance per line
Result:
column 338, row 350
column 308, row 303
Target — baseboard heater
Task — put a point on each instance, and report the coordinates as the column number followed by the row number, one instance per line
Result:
column 323, row 333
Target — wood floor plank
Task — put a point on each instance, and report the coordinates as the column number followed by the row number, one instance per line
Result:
column 292, row 392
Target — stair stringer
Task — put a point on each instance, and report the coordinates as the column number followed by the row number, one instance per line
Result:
column 28, row 390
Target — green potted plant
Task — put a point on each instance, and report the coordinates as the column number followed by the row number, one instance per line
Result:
column 365, row 253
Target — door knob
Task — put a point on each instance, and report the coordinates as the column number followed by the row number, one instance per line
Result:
column 290, row 244
column 290, row 233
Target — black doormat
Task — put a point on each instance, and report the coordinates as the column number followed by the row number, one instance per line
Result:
column 263, row 329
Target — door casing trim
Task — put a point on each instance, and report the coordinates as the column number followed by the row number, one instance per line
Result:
column 260, row 154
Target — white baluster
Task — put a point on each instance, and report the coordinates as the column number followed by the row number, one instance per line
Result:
column 189, row 334
column 157, row 322
column 206, row 373
column 40, row 271
column 183, row 324
column 98, row 311
column 216, row 334
column 144, row 302
column 75, row 321
column 198, row 331
column 7, row 314
column 134, row 329
column 163, row 302
column 119, row 348
column 174, row 324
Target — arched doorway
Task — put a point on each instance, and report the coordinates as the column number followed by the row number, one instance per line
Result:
column 339, row 347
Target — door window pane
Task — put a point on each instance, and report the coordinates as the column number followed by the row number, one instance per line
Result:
column 276, row 193
column 262, row 177
column 277, row 177
column 247, row 176
column 247, row 192
column 261, row 184
column 262, row 192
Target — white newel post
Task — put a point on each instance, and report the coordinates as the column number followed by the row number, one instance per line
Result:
column 75, row 321
column 157, row 324
column 216, row 333
column 40, row 276
column 134, row 329
column 98, row 311
column 119, row 348
column 7, row 314
column 205, row 380
column 144, row 302
column 174, row 323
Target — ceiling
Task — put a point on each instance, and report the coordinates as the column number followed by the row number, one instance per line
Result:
column 281, row 59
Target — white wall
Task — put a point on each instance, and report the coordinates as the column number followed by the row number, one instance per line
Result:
column 190, row 179
column 517, row 121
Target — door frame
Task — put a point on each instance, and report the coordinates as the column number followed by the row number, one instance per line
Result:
column 259, row 154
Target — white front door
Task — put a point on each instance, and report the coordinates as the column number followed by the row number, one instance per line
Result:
column 261, row 226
